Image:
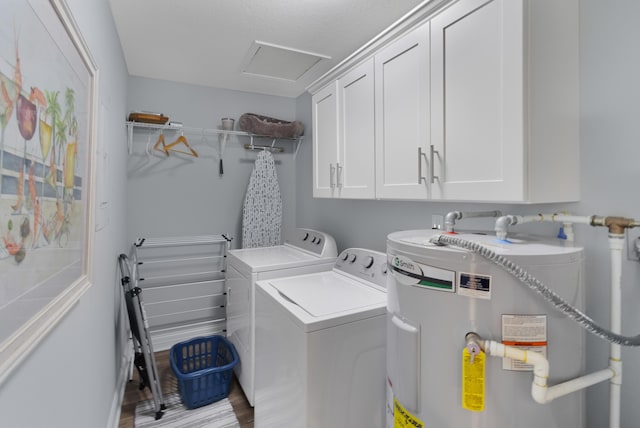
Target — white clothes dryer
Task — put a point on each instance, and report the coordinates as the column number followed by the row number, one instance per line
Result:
column 320, row 346
column 305, row 252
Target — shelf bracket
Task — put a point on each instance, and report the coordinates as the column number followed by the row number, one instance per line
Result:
column 298, row 143
column 130, row 137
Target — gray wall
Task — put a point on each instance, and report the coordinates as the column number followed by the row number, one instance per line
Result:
column 69, row 380
column 181, row 195
column 71, row 377
column 610, row 149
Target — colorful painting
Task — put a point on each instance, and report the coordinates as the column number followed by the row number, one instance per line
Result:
column 47, row 97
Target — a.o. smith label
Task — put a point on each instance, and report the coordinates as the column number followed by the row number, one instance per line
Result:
column 409, row 272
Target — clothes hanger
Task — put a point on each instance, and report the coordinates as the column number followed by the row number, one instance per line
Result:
column 179, row 140
column 160, row 141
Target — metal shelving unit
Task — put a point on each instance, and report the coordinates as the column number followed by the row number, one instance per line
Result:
column 183, row 280
column 203, row 132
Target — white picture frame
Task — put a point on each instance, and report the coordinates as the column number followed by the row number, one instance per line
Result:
column 48, row 119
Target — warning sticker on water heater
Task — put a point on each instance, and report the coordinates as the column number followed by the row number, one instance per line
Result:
column 402, row 418
column 526, row 332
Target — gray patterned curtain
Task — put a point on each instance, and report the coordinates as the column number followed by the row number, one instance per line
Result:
column 262, row 211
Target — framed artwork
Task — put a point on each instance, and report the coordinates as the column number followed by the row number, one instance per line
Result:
column 48, row 99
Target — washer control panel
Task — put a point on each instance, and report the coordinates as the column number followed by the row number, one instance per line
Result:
column 365, row 264
column 319, row 243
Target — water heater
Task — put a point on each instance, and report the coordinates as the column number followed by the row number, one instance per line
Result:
column 437, row 294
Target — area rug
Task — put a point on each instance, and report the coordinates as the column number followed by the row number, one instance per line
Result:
column 216, row 415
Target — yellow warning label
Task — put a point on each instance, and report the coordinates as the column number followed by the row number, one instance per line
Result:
column 473, row 381
column 402, row 418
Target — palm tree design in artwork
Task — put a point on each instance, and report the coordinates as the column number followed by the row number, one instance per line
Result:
column 53, row 110
column 71, row 125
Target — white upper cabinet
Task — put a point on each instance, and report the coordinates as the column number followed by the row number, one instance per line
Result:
column 325, row 140
column 402, row 117
column 343, row 143
column 355, row 171
column 474, row 100
column 504, row 101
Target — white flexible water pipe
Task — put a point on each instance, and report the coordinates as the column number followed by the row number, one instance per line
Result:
column 503, row 223
column 568, row 231
column 540, row 391
column 617, row 223
column 616, row 246
column 453, row 216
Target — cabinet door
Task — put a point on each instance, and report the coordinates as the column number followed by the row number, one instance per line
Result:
column 402, row 117
column 325, row 140
column 355, row 171
column 477, row 101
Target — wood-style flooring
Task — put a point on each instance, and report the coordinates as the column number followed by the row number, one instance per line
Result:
column 133, row 395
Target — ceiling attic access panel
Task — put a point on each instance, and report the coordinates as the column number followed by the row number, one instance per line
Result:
column 267, row 60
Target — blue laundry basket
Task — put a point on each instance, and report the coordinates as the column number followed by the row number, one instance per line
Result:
column 204, row 368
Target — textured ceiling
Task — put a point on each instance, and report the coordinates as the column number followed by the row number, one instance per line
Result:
column 209, row 42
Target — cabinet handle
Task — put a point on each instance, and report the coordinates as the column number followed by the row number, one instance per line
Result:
column 338, row 172
column 331, row 172
column 432, row 153
column 421, row 178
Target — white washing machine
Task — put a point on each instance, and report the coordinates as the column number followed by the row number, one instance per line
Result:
column 305, row 252
column 320, row 346
column 437, row 294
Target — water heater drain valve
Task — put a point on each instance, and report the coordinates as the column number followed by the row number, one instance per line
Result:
column 473, row 345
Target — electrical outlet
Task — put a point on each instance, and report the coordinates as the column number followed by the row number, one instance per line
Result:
column 633, row 243
column 437, row 221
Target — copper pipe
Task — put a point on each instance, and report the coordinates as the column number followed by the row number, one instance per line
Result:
column 616, row 225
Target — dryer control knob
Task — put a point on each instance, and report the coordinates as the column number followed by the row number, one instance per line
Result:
column 353, row 258
column 345, row 256
column 368, row 262
column 306, row 236
column 318, row 241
